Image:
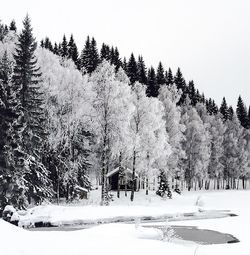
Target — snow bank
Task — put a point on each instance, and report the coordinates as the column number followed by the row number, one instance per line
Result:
column 111, row 239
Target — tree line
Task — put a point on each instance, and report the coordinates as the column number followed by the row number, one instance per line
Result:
column 66, row 117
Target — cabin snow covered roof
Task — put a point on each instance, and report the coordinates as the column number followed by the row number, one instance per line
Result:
column 114, row 171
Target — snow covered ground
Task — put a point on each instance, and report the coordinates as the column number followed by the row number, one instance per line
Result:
column 129, row 238
column 120, row 210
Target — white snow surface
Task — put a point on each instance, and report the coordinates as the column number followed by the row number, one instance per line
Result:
column 120, row 209
column 131, row 238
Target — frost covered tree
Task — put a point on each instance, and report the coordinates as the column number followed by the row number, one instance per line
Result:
column 215, row 168
column 197, row 147
column 170, row 96
column 110, row 116
column 67, row 107
column 150, row 142
column 231, row 150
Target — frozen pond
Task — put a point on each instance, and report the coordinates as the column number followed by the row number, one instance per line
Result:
column 187, row 233
column 194, row 234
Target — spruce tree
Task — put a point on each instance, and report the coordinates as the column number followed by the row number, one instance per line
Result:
column 48, row 44
column 89, row 56
column 3, row 31
column 249, row 116
column 179, row 80
column 55, row 49
column 230, row 113
column 163, row 189
column 12, row 157
column 42, row 43
column 73, row 51
column 142, row 72
column 192, row 93
column 124, row 65
column 117, row 60
column 105, row 52
column 26, row 80
column 132, row 71
column 169, row 78
column 112, row 56
column 160, row 75
column 94, row 55
column 224, row 109
column 214, row 108
column 180, row 84
column 13, row 26
column 64, row 49
column 152, row 86
column 242, row 113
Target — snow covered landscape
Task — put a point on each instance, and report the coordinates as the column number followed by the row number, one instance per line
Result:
column 124, row 127
column 108, row 238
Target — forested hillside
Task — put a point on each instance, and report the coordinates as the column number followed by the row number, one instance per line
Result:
column 67, row 118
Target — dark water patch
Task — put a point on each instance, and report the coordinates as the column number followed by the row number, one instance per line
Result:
column 194, row 234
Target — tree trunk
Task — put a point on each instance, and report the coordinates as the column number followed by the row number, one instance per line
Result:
column 133, row 177
column 147, row 186
column 58, row 186
column 119, row 181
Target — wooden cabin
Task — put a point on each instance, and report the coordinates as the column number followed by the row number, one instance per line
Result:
column 125, row 179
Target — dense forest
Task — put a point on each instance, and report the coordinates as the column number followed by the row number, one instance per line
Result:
column 69, row 117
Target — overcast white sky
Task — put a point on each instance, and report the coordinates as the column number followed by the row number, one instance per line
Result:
column 208, row 39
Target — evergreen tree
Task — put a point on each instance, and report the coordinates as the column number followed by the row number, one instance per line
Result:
column 105, row 52
column 89, row 56
column 132, row 70
column 26, row 80
column 142, row 72
column 179, row 80
column 224, row 109
column 3, row 31
column 94, row 55
column 230, row 113
column 117, row 61
column 214, row 107
column 160, row 75
column 249, row 116
column 112, row 55
column 124, row 65
column 12, row 163
column 42, row 43
column 152, row 86
column 13, row 26
column 242, row 113
column 180, row 84
column 55, row 49
column 163, row 185
column 169, row 77
column 48, row 44
column 64, row 48
column 73, row 51
column 192, row 93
